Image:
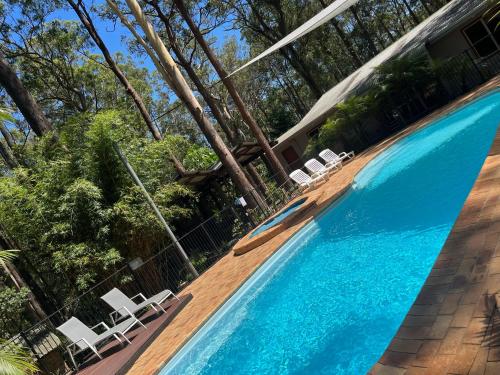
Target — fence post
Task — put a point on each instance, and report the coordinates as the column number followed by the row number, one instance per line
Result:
column 136, row 179
column 209, row 238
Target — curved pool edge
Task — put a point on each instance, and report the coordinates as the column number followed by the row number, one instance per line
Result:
column 327, row 195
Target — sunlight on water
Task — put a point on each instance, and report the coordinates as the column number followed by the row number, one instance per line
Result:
column 330, row 301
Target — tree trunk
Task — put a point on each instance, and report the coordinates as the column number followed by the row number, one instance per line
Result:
column 289, row 53
column 411, row 12
column 345, row 40
column 7, row 136
column 364, row 30
column 6, row 155
column 202, row 89
column 392, row 38
column 257, row 178
column 178, row 84
column 81, row 11
column 426, row 7
column 19, row 282
column 276, row 166
column 23, row 99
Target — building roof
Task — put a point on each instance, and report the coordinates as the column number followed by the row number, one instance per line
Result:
column 449, row 17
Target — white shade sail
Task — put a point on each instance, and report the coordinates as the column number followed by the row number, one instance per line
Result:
column 319, row 19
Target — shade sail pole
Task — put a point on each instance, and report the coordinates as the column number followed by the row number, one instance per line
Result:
column 157, row 212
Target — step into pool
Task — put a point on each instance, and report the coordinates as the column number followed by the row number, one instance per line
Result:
column 332, row 298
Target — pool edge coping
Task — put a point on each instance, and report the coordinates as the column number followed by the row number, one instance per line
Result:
column 488, row 88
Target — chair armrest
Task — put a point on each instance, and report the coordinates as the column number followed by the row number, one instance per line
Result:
column 139, row 295
column 75, row 345
column 119, row 314
column 342, row 154
column 106, row 327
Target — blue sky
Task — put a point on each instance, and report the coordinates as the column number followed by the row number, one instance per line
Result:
column 113, row 35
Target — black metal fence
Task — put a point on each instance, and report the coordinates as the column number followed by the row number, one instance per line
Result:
column 213, row 238
column 456, row 76
column 205, row 245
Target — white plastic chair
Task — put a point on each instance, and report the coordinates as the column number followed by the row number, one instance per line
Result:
column 331, row 157
column 124, row 306
column 84, row 338
column 318, row 169
column 304, row 180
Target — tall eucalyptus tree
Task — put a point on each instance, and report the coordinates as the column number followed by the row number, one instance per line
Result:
column 174, row 78
column 228, row 83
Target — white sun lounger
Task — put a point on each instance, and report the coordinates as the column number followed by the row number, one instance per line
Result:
column 124, row 306
column 83, row 337
column 331, row 157
column 318, row 169
column 304, row 180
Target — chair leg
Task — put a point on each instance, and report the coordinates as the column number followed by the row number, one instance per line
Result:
column 72, row 357
column 116, row 336
column 140, row 323
column 125, row 337
column 94, row 349
column 161, row 308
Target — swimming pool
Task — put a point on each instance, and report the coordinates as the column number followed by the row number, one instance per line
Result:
column 332, row 298
column 279, row 218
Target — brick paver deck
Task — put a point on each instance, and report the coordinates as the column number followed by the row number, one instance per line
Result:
column 442, row 332
column 452, row 327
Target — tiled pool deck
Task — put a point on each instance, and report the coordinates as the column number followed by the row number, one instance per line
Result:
column 449, row 330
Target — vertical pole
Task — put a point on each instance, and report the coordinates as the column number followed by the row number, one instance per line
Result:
column 475, row 66
column 157, row 212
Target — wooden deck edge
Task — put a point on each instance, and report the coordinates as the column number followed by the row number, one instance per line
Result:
column 184, row 300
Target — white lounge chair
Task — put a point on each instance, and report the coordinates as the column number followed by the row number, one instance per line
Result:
column 124, row 306
column 83, row 337
column 318, row 169
column 304, row 180
column 331, row 157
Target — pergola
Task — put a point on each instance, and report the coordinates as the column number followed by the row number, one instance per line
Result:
column 245, row 153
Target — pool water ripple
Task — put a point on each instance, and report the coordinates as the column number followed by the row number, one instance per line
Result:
column 330, row 301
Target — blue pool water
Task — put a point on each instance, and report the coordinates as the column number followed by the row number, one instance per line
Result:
column 330, row 300
column 278, row 218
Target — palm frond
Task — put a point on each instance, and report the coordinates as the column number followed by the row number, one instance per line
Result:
column 7, row 255
column 14, row 360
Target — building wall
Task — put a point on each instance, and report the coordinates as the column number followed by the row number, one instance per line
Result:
column 450, row 45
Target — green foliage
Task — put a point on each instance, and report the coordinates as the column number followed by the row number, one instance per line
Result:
column 199, row 158
column 14, row 360
column 12, row 307
column 7, row 255
column 74, row 210
column 345, row 125
column 409, row 74
column 402, row 74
